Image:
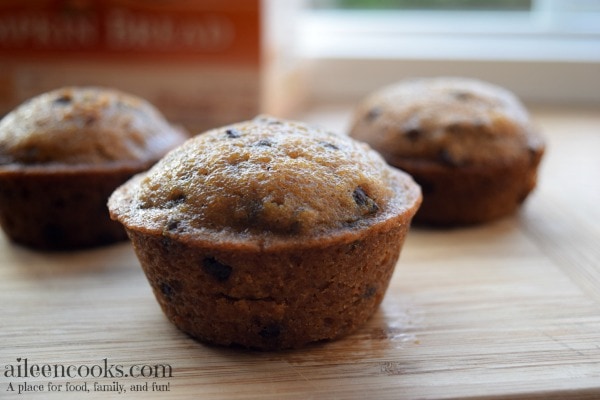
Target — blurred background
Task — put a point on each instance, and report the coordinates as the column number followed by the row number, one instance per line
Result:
column 210, row 62
column 546, row 51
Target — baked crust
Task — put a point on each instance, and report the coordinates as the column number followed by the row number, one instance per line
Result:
column 228, row 269
column 469, row 144
column 61, row 156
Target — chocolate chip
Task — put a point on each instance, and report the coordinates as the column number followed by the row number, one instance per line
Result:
column 373, row 114
column 461, row 95
column 413, row 134
column 174, row 200
column 370, row 292
column 167, row 290
column 233, row 133
column 172, row 225
column 360, row 197
column 89, row 120
column 166, row 243
column 446, row 158
column 357, row 244
column 264, row 142
column 170, row 289
column 454, row 128
column 216, row 269
column 63, row 99
column 364, row 201
column 270, row 331
column 254, row 208
column 329, row 145
column 180, row 198
column 295, row 227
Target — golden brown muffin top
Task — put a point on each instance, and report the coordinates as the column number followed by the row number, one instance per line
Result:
column 85, row 125
column 453, row 121
column 261, row 180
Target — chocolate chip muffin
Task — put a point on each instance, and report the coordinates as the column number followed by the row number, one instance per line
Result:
column 63, row 153
column 469, row 144
column 268, row 234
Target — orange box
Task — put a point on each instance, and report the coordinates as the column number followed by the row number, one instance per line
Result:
column 199, row 62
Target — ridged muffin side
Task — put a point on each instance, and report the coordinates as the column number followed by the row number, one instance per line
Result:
column 268, row 234
column 468, row 143
column 63, row 153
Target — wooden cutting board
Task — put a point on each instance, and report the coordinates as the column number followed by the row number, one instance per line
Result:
column 506, row 310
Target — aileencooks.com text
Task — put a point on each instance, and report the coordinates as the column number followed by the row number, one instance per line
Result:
column 24, row 368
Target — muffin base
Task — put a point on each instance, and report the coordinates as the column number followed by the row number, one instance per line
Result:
column 466, row 195
column 60, row 210
column 271, row 299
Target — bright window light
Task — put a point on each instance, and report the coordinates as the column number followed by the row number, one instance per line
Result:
column 530, row 30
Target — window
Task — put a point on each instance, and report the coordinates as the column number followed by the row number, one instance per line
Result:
column 522, row 5
column 525, row 45
column 479, row 29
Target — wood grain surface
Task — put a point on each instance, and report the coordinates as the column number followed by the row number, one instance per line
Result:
column 508, row 310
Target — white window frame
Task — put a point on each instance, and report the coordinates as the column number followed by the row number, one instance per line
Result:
column 551, row 55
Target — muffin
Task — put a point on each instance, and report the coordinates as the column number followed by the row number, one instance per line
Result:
column 63, row 153
column 469, row 144
column 268, row 234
